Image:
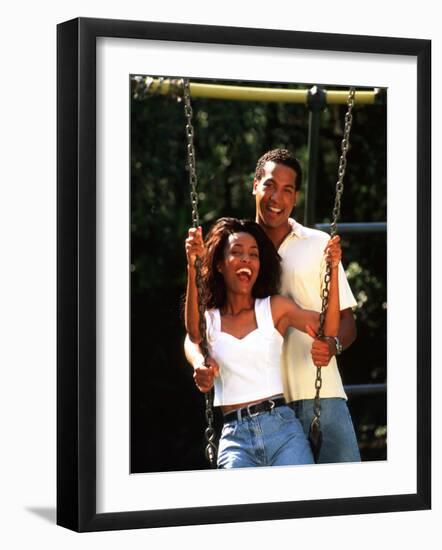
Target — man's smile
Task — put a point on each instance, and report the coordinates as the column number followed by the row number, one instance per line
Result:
column 275, row 210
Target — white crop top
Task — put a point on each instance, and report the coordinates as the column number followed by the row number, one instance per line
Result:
column 249, row 366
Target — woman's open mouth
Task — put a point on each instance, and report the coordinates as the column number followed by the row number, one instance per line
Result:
column 244, row 274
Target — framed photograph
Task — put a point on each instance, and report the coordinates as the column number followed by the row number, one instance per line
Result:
column 130, row 424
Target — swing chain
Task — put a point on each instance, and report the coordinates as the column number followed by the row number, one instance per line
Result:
column 211, row 449
column 191, row 154
column 345, row 144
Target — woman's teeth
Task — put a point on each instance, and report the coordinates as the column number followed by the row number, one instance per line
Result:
column 244, row 271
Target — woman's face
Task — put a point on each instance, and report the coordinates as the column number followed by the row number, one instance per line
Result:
column 240, row 265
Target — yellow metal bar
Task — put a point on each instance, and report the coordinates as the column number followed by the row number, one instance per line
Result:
column 247, row 93
column 334, row 97
column 251, row 93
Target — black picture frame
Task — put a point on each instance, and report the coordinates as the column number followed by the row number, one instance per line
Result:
column 77, row 287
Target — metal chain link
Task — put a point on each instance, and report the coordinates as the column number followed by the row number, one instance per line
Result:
column 211, row 448
column 315, row 436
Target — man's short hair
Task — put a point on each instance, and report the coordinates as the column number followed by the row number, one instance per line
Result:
column 280, row 156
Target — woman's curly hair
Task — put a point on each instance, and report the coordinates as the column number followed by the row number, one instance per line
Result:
column 269, row 276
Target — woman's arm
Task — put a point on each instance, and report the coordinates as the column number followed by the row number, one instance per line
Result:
column 286, row 313
column 194, row 248
column 204, row 371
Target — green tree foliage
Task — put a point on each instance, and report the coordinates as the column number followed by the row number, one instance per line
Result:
column 167, row 416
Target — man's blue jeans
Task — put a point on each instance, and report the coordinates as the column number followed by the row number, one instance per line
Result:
column 339, row 443
column 274, row 438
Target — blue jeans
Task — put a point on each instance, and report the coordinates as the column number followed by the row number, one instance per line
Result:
column 274, row 438
column 339, row 443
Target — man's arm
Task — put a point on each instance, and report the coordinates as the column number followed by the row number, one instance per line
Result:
column 347, row 330
column 323, row 350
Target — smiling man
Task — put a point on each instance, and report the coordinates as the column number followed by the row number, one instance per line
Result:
column 276, row 189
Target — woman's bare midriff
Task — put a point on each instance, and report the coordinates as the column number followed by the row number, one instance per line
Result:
column 229, row 408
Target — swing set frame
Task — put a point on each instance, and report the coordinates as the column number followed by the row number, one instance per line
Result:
column 315, row 100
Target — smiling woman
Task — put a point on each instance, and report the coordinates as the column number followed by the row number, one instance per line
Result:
column 246, row 321
column 241, row 262
column 227, row 239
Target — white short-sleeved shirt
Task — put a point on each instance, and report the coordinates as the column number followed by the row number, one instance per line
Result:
column 303, row 269
column 249, row 366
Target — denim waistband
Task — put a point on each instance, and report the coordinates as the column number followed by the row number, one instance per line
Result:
column 252, row 410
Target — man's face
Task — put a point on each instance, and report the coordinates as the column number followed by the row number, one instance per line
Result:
column 275, row 195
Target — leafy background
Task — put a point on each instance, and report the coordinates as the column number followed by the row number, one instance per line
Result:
column 167, row 412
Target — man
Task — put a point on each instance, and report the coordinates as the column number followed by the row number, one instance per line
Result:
column 276, row 189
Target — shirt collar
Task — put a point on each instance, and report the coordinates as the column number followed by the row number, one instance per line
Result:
column 297, row 229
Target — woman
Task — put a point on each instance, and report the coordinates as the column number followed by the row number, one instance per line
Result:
column 246, row 321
